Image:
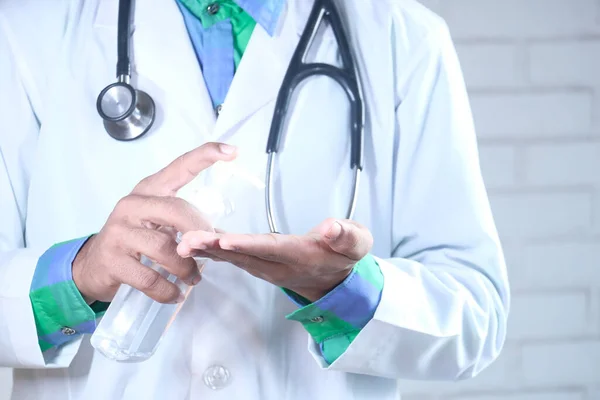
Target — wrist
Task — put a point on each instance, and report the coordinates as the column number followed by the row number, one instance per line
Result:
column 321, row 287
column 78, row 271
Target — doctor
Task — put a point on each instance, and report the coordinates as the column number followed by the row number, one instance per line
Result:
column 415, row 287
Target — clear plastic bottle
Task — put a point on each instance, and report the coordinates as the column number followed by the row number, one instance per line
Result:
column 134, row 324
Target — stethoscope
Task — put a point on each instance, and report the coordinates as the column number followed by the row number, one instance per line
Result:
column 129, row 113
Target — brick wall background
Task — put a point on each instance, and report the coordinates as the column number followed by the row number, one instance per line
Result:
column 533, row 71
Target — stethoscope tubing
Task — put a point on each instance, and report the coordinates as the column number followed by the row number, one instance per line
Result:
column 298, row 70
column 139, row 116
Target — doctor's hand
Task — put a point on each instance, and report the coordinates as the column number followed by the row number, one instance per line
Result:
column 310, row 265
column 145, row 223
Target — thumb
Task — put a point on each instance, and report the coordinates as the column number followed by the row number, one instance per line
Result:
column 347, row 238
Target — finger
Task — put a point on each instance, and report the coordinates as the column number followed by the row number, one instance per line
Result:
column 194, row 242
column 347, row 238
column 198, row 240
column 264, row 269
column 199, row 254
column 186, row 167
column 138, row 211
column 285, row 249
column 162, row 249
column 187, row 252
column 133, row 273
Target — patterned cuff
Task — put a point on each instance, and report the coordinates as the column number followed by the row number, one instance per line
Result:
column 336, row 319
column 61, row 314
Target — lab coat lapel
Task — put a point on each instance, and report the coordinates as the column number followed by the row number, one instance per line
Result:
column 164, row 62
column 261, row 71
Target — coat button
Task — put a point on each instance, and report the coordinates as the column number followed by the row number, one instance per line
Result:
column 216, row 377
column 317, row 320
column 213, row 8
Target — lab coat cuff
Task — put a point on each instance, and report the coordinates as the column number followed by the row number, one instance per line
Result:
column 398, row 319
column 363, row 354
column 61, row 314
column 334, row 320
column 18, row 338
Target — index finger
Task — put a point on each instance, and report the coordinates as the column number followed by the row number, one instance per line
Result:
column 184, row 169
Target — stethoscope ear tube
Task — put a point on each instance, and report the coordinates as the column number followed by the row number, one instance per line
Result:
column 349, row 79
column 123, row 32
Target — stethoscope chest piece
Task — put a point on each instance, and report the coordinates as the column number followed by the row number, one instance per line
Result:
column 127, row 113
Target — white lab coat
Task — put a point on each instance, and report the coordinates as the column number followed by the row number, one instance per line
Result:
column 445, row 301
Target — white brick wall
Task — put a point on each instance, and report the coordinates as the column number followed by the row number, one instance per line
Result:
column 544, row 265
column 542, row 214
column 533, row 72
column 560, row 54
column 579, row 163
column 561, row 363
column 533, row 113
column 491, row 65
column 549, row 315
column 521, row 19
column 498, row 165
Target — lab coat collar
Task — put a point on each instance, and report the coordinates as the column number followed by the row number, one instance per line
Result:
column 266, row 13
column 262, row 68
